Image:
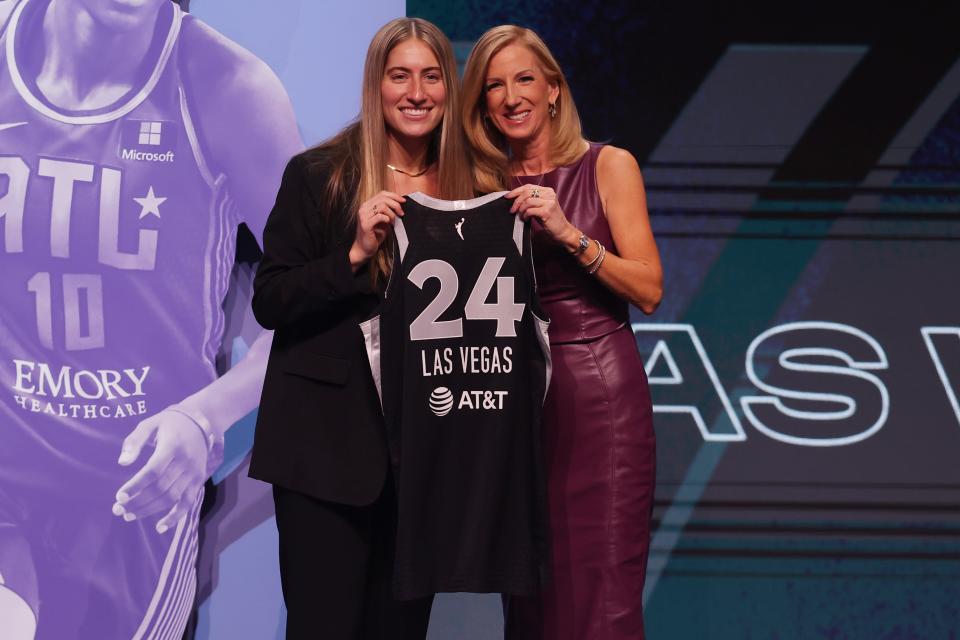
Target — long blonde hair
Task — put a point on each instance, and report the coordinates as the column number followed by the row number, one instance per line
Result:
column 360, row 151
column 490, row 149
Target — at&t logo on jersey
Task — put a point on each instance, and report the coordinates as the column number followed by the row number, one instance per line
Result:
column 147, row 141
column 441, row 400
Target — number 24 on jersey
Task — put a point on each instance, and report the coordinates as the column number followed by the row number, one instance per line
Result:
column 505, row 310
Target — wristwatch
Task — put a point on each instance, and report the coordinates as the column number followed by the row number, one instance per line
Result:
column 582, row 245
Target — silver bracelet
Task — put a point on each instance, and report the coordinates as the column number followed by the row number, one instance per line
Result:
column 596, row 257
column 596, row 267
column 198, row 419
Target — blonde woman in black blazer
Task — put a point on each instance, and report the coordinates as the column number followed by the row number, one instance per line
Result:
column 320, row 438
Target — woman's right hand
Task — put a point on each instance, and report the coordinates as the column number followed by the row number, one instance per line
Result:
column 374, row 218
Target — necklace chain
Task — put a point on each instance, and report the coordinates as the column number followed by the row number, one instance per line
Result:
column 539, row 182
column 411, row 174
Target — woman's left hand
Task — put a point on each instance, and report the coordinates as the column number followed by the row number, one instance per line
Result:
column 532, row 201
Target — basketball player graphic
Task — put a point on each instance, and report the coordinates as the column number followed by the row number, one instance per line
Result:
column 134, row 140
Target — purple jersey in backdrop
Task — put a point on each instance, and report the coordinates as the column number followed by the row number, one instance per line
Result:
column 117, row 245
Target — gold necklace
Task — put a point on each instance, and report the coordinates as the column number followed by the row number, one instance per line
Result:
column 407, row 173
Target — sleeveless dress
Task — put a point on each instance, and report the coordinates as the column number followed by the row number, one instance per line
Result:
column 598, row 439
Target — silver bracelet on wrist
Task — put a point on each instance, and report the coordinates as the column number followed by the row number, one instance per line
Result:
column 599, row 260
column 596, row 257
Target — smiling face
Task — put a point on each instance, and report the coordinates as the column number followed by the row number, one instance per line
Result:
column 518, row 95
column 413, row 91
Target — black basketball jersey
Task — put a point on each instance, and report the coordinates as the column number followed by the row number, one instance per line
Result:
column 460, row 356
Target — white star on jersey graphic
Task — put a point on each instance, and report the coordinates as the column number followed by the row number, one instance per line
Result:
column 150, row 204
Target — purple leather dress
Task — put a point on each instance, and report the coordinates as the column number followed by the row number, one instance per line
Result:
column 598, row 439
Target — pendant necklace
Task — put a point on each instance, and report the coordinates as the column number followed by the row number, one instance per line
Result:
column 539, row 182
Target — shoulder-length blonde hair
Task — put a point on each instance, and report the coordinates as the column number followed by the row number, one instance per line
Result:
column 490, row 150
column 359, row 153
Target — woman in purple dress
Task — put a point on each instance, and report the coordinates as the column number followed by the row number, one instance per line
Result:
column 594, row 255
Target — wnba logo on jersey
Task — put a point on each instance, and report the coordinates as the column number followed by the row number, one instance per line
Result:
column 147, row 141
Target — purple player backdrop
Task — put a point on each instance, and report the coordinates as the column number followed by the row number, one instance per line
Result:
column 134, row 140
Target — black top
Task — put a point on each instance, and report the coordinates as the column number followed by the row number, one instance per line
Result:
column 462, row 363
column 319, row 429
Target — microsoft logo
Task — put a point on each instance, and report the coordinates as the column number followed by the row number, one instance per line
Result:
column 150, row 133
column 147, row 140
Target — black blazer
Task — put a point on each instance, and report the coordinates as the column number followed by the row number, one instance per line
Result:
column 320, row 428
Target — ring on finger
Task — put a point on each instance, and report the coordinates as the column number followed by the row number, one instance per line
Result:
column 376, row 209
column 535, row 193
